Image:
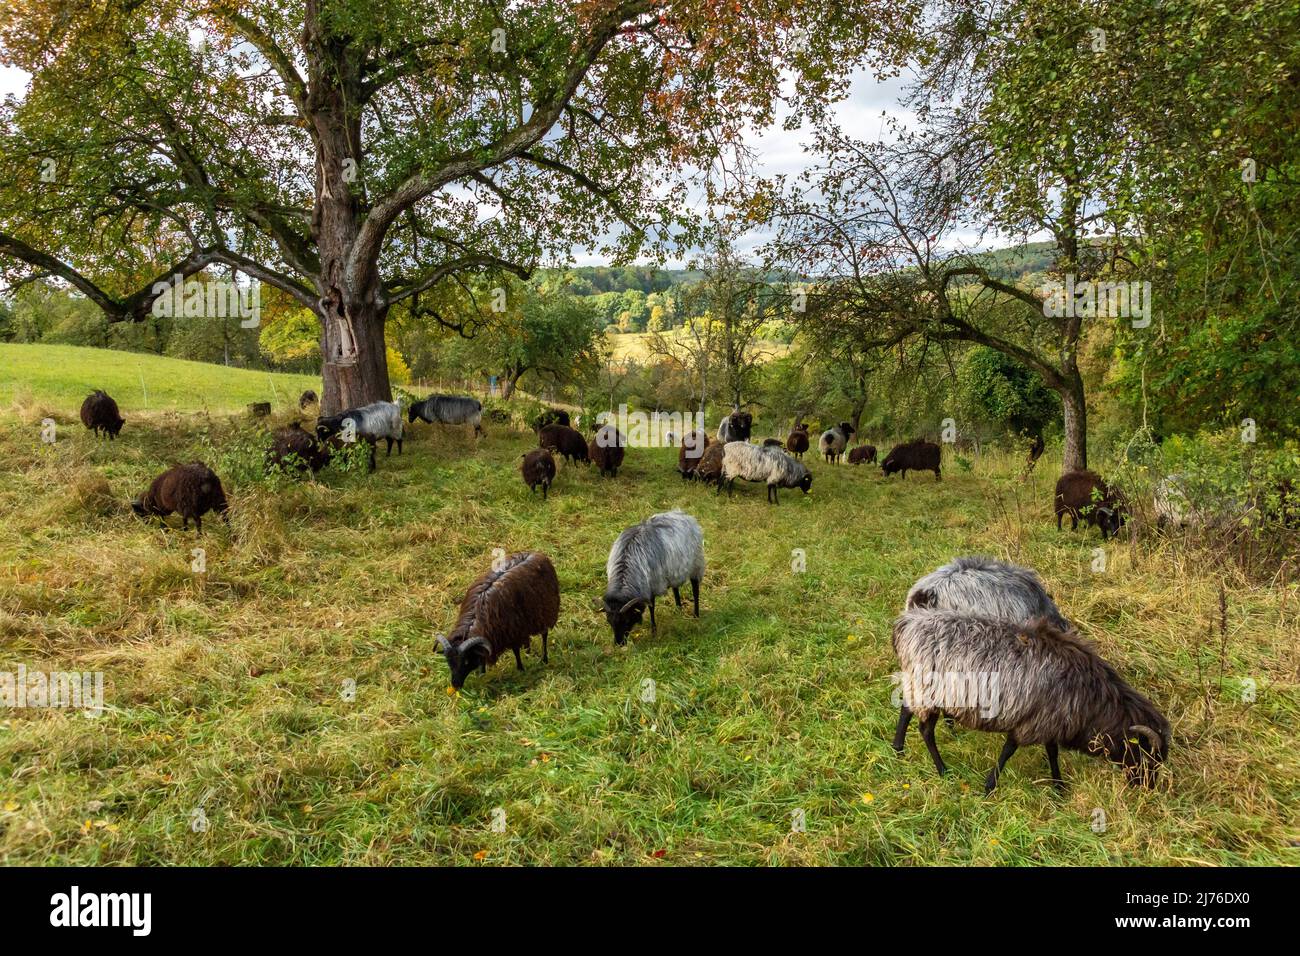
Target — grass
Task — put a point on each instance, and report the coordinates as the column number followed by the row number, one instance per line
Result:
column 226, row 692
column 63, row 375
column 636, row 345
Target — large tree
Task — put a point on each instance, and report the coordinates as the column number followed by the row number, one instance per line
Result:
column 357, row 153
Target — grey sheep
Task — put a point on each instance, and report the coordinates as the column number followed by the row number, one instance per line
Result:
column 986, row 588
column 834, row 440
column 1029, row 680
column 449, row 410
column 370, row 423
column 664, row 551
column 764, row 463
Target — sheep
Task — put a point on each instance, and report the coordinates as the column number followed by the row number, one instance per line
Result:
column 99, row 413
column 917, row 455
column 296, row 450
column 797, row 441
column 710, row 467
column 1178, row 503
column 538, row 468
column 834, row 440
column 736, row 426
column 1036, row 447
column 1029, row 680
column 760, row 463
column 985, row 587
column 863, row 454
column 449, row 410
column 691, row 452
column 565, row 441
column 370, row 423
column 662, row 552
column 307, row 399
column 501, row 611
column 773, row 443
column 606, row 450
column 190, row 490
column 551, row 416
column 1083, row 494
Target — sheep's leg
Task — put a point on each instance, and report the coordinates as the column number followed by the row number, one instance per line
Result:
column 519, row 664
column 695, row 594
column 399, row 446
column 198, row 524
column 389, row 452
column 677, row 596
column 927, row 734
column 185, row 523
column 545, row 486
column 900, row 735
column 1054, row 766
column 1008, row 749
column 1059, row 516
column 654, row 628
column 545, row 658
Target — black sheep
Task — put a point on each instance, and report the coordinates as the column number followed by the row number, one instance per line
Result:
column 863, row 454
column 99, row 413
column 564, row 441
column 296, row 450
column 307, row 399
column 189, row 490
column 538, row 468
column 551, row 416
column 691, row 452
column 606, row 450
column 710, row 467
column 501, row 612
column 918, row 455
column 797, row 442
column 1083, row 494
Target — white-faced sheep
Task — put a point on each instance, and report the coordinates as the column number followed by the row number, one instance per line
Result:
column 501, row 612
column 763, row 463
column 662, row 552
column 1029, row 680
column 985, row 587
column 369, row 424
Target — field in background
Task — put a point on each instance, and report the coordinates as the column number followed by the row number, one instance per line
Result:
column 63, row 375
column 227, row 692
column 636, row 345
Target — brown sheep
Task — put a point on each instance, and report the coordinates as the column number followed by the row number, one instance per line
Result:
column 99, row 413
column 190, row 490
column 293, row 449
column 307, row 399
column 565, row 441
column 694, row 444
column 606, row 449
column 797, row 442
column 1083, row 494
column 501, row 612
column 918, row 455
column 538, row 468
column 710, row 467
column 863, row 454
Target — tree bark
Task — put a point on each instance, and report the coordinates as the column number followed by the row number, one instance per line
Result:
column 1075, row 410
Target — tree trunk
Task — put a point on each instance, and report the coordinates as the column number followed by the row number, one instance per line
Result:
column 1076, row 428
column 365, row 378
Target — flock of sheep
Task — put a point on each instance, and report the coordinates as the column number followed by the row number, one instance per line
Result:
column 979, row 642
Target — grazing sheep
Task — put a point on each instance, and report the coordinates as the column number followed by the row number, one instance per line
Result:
column 986, row 588
column 293, row 449
column 664, row 551
column 501, row 612
column 710, row 467
column 538, row 468
column 551, row 416
column 773, row 443
column 762, row 463
column 259, row 409
column 1083, row 494
column 797, row 441
column 736, row 426
column 189, row 490
column 1029, row 680
column 449, row 410
column 834, row 440
column 307, row 399
column 565, row 441
column 689, row 455
column 918, row 455
column 99, row 413
column 863, row 455
column 370, row 423
column 606, row 449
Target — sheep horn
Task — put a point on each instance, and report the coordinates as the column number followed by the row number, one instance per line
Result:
column 444, row 645
column 474, row 642
column 628, row 606
column 1155, row 744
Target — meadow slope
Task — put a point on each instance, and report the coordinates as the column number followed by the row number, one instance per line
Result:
column 227, row 692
